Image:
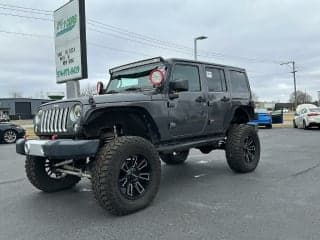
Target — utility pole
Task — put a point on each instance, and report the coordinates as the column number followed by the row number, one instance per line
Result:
column 294, row 80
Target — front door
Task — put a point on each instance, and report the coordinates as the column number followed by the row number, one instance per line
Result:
column 188, row 113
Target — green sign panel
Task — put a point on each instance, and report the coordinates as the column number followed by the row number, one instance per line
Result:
column 70, row 42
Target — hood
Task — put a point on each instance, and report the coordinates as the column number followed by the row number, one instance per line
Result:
column 120, row 97
column 112, row 98
column 9, row 124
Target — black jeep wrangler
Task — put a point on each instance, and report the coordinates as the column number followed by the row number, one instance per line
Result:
column 150, row 110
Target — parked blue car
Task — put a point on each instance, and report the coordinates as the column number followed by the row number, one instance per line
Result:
column 263, row 118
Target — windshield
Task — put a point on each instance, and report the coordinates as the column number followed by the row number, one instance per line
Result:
column 314, row 110
column 261, row 111
column 133, row 79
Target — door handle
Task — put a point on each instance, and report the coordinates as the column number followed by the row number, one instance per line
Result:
column 200, row 99
column 210, row 104
column 225, row 99
column 171, row 104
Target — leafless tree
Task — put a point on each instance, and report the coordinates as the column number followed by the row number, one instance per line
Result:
column 15, row 94
column 302, row 97
column 88, row 90
column 255, row 97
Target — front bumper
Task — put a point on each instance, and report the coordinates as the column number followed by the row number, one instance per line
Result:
column 21, row 133
column 58, row 149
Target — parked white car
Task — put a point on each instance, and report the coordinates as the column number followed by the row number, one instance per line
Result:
column 307, row 116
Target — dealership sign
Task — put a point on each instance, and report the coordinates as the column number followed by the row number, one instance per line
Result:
column 70, row 42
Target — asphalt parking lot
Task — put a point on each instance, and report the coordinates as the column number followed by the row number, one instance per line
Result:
column 201, row 199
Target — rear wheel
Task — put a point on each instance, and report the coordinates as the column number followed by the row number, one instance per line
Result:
column 175, row 157
column 294, row 124
column 242, row 148
column 10, row 136
column 41, row 173
column 126, row 175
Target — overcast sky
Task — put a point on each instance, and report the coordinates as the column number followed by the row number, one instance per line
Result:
column 256, row 35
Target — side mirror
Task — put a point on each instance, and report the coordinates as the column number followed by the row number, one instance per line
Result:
column 296, row 114
column 179, row 86
column 100, row 88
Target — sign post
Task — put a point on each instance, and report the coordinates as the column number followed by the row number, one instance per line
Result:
column 70, row 45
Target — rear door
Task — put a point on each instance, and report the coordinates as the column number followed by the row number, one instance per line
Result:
column 188, row 114
column 301, row 117
column 219, row 103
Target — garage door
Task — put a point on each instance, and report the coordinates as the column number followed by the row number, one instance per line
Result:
column 23, row 110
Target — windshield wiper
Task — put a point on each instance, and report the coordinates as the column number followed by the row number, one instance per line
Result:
column 133, row 89
column 111, row 91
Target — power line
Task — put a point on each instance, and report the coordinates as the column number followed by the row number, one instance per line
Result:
column 167, row 44
column 26, row 34
column 117, row 49
column 251, row 74
column 132, row 36
column 174, row 45
column 23, row 16
column 28, row 8
column 25, row 11
column 136, row 35
column 139, row 41
column 90, row 43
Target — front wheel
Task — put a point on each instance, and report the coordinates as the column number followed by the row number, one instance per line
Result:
column 126, row 175
column 175, row 157
column 242, row 148
column 41, row 174
column 10, row 136
column 304, row 125
column 269, row 126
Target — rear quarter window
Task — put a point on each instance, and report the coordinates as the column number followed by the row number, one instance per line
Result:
column 239, row 84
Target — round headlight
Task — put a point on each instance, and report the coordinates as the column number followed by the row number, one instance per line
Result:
column 37, row 118
column 75, row 112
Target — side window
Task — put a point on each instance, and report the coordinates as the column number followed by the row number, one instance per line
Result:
column 190, row 73
column 216, row 79
column 239, row 84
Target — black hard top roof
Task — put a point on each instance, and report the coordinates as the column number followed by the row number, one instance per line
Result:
column 170, row 61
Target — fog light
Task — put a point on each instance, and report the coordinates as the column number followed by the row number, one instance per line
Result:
column 26, row 148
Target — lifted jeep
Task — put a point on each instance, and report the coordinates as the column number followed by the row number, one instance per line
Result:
column 151, row 109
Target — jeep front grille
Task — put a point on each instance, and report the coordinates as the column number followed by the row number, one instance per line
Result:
column 54, row 120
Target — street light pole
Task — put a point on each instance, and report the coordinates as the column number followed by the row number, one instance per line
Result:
column 294, row 80
column 195, row 45
column 195, row 49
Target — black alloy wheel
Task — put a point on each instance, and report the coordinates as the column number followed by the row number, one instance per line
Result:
column 242, row 148
column 249, row 149
column 126, row 174
column 134, row 177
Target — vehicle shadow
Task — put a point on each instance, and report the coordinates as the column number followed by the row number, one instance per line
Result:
column 177, row 182
column 313, row 129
